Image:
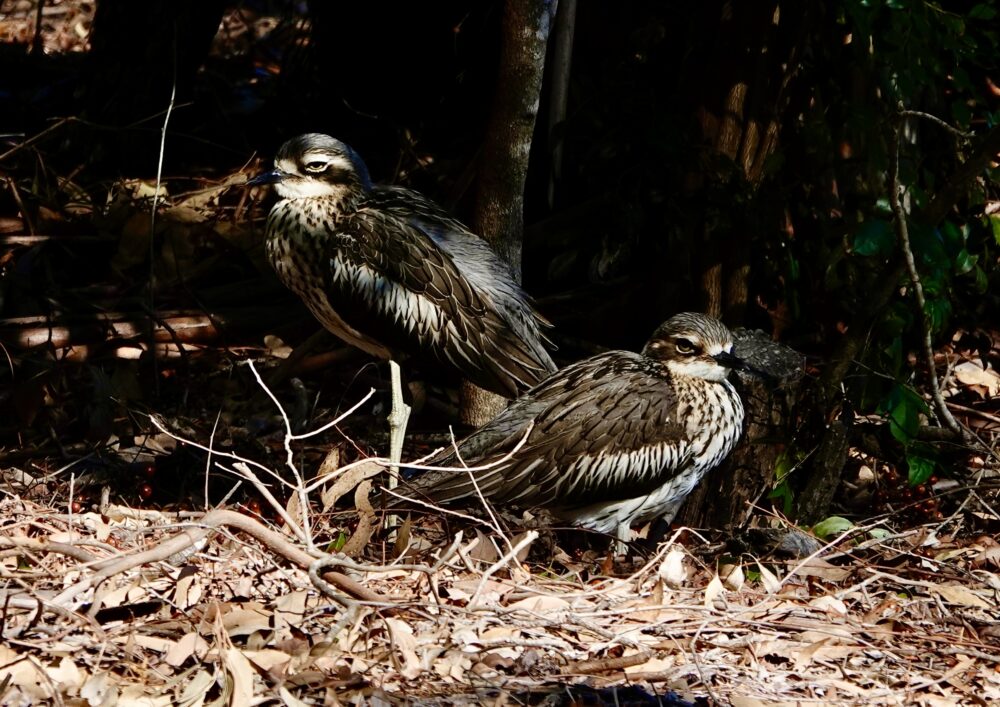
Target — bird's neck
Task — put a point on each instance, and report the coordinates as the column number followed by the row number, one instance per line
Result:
column 336, row 201
column 708, row 399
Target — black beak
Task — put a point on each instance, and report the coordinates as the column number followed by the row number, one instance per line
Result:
column 724, row 358
column 271, row 177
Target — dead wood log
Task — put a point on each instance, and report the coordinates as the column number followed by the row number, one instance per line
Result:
column 726, row 496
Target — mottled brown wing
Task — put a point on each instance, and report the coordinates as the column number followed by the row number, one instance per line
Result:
column 388, row 278
column 584, row 422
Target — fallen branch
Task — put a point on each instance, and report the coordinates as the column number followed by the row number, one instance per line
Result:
column 606, row 665
column 42, row 546
column 188, row 538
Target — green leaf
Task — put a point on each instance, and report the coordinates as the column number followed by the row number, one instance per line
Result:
column 903, row 408
column 782, row 489
column 834, row 525
column 783, row 465
column 783, row 492
column 338, row 544
column 982, row 282
column 965, row 261
column 953, row 235
column 982, row 12
column 995, row 226
column 928, row 245
column 874, row 237
column 938, row 312
column 879, row 533
column 921, row 469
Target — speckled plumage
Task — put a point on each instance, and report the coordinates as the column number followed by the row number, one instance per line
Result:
column 390, row 272
column 609, row 441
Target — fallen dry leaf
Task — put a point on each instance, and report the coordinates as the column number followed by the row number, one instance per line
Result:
column 404, row 642
column 672, row 570
column 962, row 596
column 986, row 382
column 240, row 676
column 713, row 591
column 196, row 689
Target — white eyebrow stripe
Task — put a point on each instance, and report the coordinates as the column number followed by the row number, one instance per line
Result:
column 334, row 161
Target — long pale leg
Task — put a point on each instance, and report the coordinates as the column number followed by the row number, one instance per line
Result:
column 398, row 417
column 623, row 533
column 399, row 414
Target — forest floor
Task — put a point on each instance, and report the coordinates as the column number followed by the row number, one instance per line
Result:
column 173, row 534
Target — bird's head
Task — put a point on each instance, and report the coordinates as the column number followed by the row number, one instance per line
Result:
column 696, row 345
column 316, row 165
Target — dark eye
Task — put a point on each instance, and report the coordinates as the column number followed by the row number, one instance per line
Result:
column 316, row 166
column 684, row 347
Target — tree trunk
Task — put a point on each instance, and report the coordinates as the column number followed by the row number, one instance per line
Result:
column 499, row 214
column 739, row 93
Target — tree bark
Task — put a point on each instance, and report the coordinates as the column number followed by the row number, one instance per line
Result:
column 562, row 60
column 499, row 212
column 740, row 93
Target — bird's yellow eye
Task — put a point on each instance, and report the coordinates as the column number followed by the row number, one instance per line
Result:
column 316, row 166
column 684, row 347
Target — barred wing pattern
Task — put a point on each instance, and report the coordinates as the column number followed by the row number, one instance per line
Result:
column 390, row 279
column 602, row 430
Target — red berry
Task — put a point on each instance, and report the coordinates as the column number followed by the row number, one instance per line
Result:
column 146, row 491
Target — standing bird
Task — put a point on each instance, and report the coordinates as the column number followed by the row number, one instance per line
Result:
column 392, row 273
column 609, row 441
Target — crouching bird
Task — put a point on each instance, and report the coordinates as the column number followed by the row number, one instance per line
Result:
column 390, row 272
column 609, row 441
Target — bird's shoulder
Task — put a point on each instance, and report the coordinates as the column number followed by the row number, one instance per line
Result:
column 415, row 209
column 605, row 396
column 561, row 442
column 378, row 238
column 594, row 399
column 611, row 372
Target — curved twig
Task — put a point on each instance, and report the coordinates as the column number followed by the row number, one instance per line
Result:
column 189, row 537
column 895, row 188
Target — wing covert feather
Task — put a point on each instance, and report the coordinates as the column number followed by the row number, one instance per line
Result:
column 410, row 295
column 583, row 420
